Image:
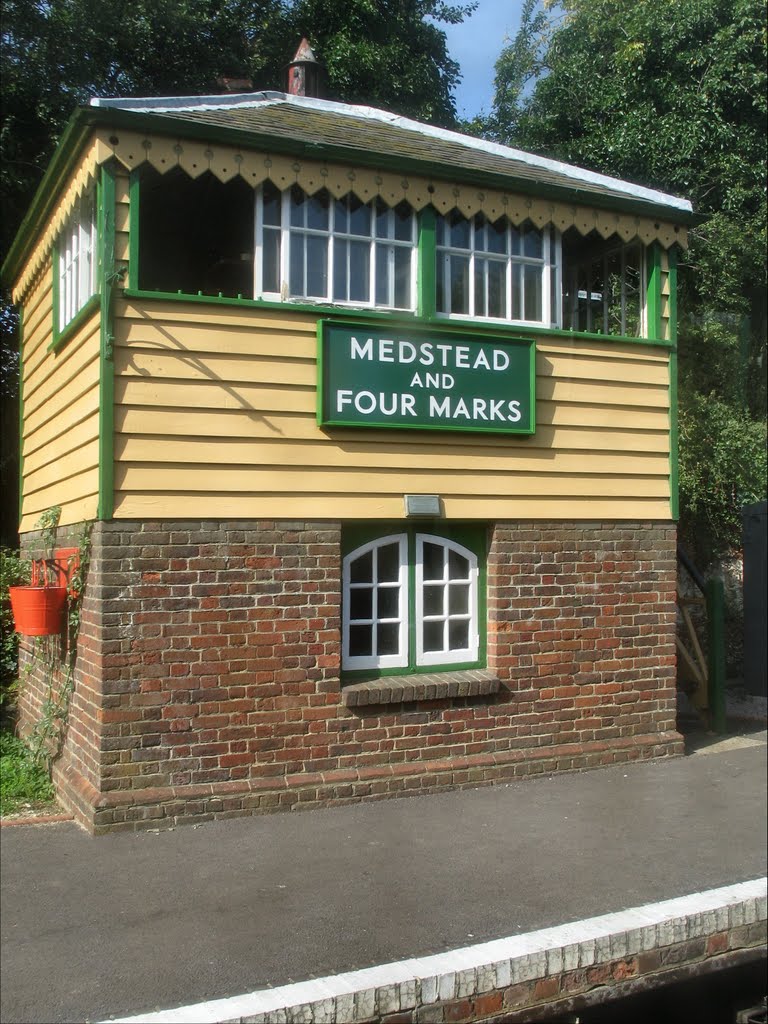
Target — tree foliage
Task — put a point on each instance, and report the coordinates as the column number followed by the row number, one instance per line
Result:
column 672, row 95
column 58, row 53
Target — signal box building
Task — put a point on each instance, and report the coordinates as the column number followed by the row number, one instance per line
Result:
column 374, row 425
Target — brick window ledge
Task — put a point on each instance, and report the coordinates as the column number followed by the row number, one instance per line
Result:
column 421, row 686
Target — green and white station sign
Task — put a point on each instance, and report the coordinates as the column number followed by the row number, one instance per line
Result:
column 415, row 378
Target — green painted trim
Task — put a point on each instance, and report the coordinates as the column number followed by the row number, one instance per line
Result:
column 55, row 296
column 426, row 271
column 60, row 338
column 674, row 459
column 21, row 413
column 362, row 314
column 107, row 278
column 653, row 293
column 134, row 207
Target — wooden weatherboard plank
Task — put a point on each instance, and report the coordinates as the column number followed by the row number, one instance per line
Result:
column 420, row 379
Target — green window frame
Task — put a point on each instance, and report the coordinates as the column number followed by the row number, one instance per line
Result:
column 75, row 267
column 413, row 598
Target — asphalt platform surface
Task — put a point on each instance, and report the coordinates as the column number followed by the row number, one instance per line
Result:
column 124, row 924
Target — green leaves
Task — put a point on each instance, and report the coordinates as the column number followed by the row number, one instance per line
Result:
column 672, row 95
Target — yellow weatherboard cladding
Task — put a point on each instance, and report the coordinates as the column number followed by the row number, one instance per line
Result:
column 60, row 430
column 215, row 415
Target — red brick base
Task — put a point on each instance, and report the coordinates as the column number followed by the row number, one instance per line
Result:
column 208, row 672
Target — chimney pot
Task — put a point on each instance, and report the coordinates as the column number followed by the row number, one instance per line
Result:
column 305, row 72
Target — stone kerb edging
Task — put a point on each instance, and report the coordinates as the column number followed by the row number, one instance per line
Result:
column 506, row 975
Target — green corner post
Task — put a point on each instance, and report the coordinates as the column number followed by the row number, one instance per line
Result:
column 107, row 280
column 427, row 261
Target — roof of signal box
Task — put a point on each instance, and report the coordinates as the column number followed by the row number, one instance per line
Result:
column 318, row 129
column 324, row 128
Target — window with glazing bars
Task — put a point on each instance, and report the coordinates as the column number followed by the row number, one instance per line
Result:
column 496, row 271
column 334, row 250
column 76, row 255
column 604, row 292
column 410, row 601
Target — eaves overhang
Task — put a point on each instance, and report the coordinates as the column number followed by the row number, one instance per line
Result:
column 168, row 123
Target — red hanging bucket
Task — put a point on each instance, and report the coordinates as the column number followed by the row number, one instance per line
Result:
column 38, row 611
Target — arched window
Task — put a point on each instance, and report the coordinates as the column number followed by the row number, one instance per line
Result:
column 411, row 601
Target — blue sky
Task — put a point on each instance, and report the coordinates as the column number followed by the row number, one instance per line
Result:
column 476, row 45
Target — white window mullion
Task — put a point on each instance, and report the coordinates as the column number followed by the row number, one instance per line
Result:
column 258, row 235
column 546, row 282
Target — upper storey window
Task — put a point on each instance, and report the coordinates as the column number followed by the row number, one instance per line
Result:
column 203, row 236
column 76, row 257
column 604, row 287
column 493, row 270
column 334, row 250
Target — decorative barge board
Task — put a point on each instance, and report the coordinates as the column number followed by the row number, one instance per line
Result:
column 374, row 425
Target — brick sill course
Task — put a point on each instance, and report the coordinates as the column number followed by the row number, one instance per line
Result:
column 423, row 686
column 147, row 807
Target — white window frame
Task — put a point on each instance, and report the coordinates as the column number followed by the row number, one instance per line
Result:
column 446, row 656
column 377, row 244
column 76, row 248
column 407, row 628
column 399, row 660
column 550, row 264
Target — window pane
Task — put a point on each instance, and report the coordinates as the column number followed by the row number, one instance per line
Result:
column 613, row 292
column 317, row 211
column 387, row 638
column 270, row 261
column 403, row 278
column 382, row 275
column 459, row 271
column 271, row 205
column 360, row 641
column 382, row 220
column 296, row 271
column 433, row 561
column 514, row 234
column 458, row 599
column 359, row 217
column 361, row 603
column 516, row 313
column 298, row 204
column 317, row 266
column 433, row 636
column 359, row 271
column 497, row 236
column 361, row 570
column 480, row 294
column 388, row 563
column 533, row 243
column 433, row 600
column 388, row 606
column 340, row 269
column 533, row 297
column 340, row 215
column 459, row 231
column 497, row 288
column 458, row 566
column 597, row 287
column 403, row 222
column 632, row 280
column 458, row 636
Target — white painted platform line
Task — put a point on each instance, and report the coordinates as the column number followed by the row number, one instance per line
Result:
column 485, row 966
